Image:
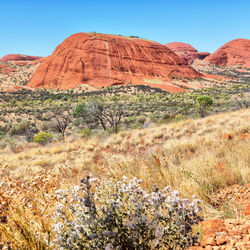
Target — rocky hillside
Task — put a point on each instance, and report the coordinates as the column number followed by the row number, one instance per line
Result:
column 187, row 52
column 103, row 60
column 233, row 53
column 15, row 74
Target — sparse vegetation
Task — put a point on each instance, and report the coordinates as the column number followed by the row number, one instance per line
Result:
column 133, row 131
column 186, row 155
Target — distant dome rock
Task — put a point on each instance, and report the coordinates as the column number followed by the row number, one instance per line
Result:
column 181, row 47
column 187, row 52
column 233, row 53
column 104, row 60
column 18, row 57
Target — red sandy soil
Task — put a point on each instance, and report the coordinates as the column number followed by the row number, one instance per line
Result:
column 217, row 77
column 233, row 53
column 168, row 87
column 8, row 87
column 103, row 60
column 187, row 52
column 229, row 234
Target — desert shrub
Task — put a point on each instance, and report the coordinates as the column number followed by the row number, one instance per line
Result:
column 2, row 134
column 44, row 126
column 42, row 137
column 13, row 145
column 76, row 122
column 3, row 144
column 203, row 103
column 109, row 214
column 153, row 117
column 204, row 100
column 141, row 119
column 179, row 117
column 20, row 128
column 165, row 118
column 86, row 133
column 130, row 120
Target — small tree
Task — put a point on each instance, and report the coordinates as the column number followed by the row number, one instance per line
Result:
column 203, row 103
column 60, row 120
column 95, row 113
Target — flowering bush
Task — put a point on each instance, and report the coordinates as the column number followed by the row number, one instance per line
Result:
column 108, row 214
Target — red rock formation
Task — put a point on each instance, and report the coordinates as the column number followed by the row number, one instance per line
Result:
column 104, row 60
column 187, row 52
column 5, row 69
column 18, row 57
column 181, row 47
column 233, row 53
column 38, row 61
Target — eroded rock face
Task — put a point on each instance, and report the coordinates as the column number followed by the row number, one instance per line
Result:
column 19, row 57
column 105, row 60
column 187, row 52
column 233, row 53
column 181, row 47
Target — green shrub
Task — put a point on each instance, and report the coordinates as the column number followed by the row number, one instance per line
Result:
column 130, row 120
column 204, row 100
column 180, row 117
column 86, row 133
column 42, row 137
column 203, row 103
column 2, row 134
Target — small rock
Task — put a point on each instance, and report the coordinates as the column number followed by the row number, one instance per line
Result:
column 208, row 240
column 221, row 238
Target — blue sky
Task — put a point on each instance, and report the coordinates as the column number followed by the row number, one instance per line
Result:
column 37, row 27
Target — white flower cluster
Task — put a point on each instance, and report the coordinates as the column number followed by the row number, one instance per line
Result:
column 109, row 214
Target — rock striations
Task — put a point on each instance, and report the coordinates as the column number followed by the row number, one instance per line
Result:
column 233, row 53
column 103, row 60
column 187, row 52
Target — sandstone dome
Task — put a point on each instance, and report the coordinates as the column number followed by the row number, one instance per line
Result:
column 18, row 57
column 181, row 47
column 103, row 60
column 233, row 53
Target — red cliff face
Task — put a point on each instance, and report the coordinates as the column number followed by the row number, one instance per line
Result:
column 233, row 53
column 187, row 52
column 105, row 60
column 18, row 57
